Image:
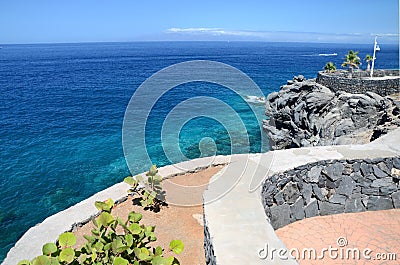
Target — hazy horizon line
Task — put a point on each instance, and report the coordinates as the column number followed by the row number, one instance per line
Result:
column 183, row 40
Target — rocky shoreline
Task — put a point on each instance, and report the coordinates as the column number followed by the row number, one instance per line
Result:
column 305, row 113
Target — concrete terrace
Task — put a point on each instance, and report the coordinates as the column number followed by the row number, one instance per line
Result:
column 234, row 215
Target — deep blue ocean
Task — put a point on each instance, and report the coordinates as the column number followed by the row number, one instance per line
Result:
column 62, row 107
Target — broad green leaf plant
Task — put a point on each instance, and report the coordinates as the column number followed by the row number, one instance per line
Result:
column 107, row 244
column 152, row 196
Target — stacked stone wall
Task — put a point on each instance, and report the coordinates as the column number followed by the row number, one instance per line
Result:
column 332, row 187
column 385, row 82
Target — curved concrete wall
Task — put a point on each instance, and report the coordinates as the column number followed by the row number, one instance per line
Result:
column 387, row 83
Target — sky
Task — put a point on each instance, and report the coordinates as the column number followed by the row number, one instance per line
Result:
column 55, row 21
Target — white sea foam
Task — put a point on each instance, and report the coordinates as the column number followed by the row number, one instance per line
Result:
column 328, row 54
column 255, row 99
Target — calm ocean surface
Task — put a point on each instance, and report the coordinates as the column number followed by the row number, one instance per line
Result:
column 62, row 108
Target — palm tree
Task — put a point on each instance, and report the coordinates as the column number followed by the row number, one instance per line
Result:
column 330, row 67
column 368, row 58
column 352, row 60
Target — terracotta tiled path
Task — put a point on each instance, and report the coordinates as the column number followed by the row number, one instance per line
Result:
column 378, row 231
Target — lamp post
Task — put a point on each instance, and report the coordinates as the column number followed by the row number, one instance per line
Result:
column 373, row 57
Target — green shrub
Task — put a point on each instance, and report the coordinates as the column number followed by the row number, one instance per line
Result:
column 107, row 246
column 330, row 67
column 152, row 196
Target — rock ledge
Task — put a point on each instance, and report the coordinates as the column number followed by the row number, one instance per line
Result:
column 305, row 113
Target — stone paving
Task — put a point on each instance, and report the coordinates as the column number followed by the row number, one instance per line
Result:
column 378, row 231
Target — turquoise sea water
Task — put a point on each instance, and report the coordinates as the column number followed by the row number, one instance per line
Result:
column 62, row 108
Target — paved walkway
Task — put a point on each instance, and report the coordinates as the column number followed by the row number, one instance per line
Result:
column 378, row 231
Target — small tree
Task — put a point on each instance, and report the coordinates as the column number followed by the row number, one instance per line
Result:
column 330, row 67
column 368, row 58
column 352, row 60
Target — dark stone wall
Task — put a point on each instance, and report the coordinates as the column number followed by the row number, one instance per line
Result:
column 208, row 247
column 331, row 187
column 360, row 83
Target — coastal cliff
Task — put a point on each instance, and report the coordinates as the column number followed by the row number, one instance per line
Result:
column 305, row 113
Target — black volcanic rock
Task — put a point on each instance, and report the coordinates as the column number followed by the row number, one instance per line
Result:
column 305, row 113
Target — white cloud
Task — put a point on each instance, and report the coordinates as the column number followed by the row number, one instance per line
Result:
column 386, row 34
column 216, row 32
column 193, row 30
